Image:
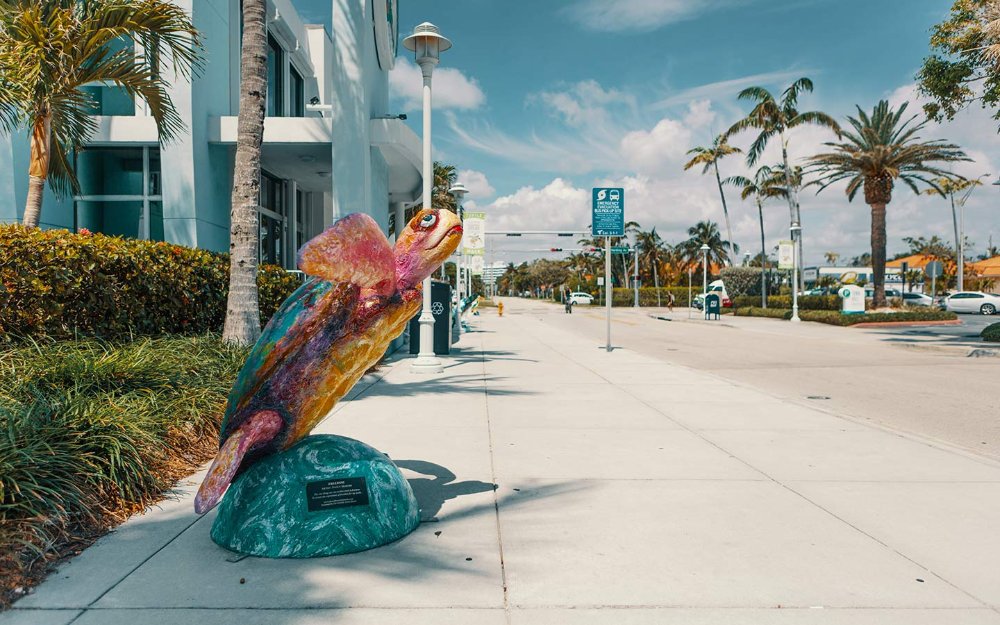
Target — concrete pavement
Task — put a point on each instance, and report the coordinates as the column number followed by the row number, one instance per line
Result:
column 628, row 490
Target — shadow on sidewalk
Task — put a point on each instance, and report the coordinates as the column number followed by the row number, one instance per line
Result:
column 432, row 493
column 469, row 384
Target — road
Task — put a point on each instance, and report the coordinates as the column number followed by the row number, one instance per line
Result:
column 916, row 380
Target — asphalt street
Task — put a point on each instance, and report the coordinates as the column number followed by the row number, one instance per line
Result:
column 914, row 379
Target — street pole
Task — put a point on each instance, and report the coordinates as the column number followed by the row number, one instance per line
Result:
column 635, row 278
column 796, row 231
column 961, row 246
column 656, row 283
column 690, row 302
column 459, row 191
column 427, row 44
column 704, row 270
column 608, row 292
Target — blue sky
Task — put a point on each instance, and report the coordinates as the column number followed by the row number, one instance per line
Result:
column 539, row 100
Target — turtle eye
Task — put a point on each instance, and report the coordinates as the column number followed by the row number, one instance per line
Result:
column 428, row 221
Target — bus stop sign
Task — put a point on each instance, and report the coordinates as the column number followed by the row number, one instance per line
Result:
column 608, row 213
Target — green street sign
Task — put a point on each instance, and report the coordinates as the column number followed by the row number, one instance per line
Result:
column 620, row 249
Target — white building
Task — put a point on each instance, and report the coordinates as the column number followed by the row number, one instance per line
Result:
column 331, row 144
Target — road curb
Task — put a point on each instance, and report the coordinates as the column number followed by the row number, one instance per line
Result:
column 905, row 324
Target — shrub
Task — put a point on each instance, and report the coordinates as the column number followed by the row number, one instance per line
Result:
column 991, row 333
column 56, row 283
column 91, row 432
column 806, row 302
column 741, row 281
column 836, row 318
column 647, row 296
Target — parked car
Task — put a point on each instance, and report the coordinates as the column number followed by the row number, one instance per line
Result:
column 975, row 302
column 581, row 298
column 870, row 292
column 917, row 299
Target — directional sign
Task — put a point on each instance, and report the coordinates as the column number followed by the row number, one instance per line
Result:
column 608, row 216
column 934, row 269
column 620, row 249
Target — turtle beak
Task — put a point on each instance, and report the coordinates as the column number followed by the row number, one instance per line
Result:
column 255, row 431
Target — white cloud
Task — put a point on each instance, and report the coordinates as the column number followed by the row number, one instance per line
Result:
column 452, row 88
column 476, row 182
column 654, row 150
column 640, row 15
column 585, row 104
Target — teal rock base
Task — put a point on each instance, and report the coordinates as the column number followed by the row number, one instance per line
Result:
column 327, row 495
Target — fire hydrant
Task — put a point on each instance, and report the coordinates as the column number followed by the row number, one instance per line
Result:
column 500, row 308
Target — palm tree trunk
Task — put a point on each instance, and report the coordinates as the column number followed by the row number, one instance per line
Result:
column 958, row 243
column 38, row 169
column 725, row 212
column 242, row 309
column 878, row 255
column 763, row 256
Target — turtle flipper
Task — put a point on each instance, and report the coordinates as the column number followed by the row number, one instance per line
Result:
column 353, row 250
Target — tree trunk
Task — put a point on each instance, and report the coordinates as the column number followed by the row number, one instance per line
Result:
column 793, row 207
column 763, row 256
column 725, row 212
column 38, row 169
column 878, row 255
column 242, row 309
column 958, row 245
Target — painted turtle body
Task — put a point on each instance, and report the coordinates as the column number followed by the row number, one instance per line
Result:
column 359, row 297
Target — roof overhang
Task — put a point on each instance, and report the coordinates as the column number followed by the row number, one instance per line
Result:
column 403, row 153
column 277, row 130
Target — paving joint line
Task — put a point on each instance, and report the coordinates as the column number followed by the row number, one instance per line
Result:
column 783, row 485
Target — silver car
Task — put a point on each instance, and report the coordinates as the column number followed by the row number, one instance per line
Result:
column 917, row 299
column 975, row 302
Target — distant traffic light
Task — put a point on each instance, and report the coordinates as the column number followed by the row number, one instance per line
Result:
column 555, row 249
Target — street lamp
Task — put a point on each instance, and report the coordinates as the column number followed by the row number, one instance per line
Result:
column 459, row 191
column 427, row 44
column 704, row 269
column 746, row 259
column 796, row 232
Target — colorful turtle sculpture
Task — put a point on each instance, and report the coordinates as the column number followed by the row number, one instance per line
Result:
column 360, row 295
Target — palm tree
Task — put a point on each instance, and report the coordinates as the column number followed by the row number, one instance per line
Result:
column 709, row 159
column 949, row 187
column 51, row 49
column 766, row 184
column 242, row 325
column 774, row 118
column 444, row 179
column 831, row 257
column 706, row 233
column 880, row 150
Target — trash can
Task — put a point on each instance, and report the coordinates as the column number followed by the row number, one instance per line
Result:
column 441, row 309
column 713, row 306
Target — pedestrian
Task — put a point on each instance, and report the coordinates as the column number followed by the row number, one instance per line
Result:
column 670, row 301
column 569, row 305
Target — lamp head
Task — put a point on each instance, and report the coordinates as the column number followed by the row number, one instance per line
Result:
column 427, row 43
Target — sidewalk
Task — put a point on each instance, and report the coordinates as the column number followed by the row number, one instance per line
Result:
column 628, row 491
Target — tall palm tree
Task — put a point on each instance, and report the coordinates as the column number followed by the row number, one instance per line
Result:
column 766, row 184
column 242, row 325
column 650, row 252
column 950, row 187
column 775, row 118
column 709, row 158
column 706, row 233
column 444, row 179
column 881, row 149
column 51, row 49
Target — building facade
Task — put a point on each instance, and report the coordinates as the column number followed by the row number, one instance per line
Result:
column 331, row 146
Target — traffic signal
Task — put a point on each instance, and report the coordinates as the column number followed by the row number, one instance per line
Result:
column 555, row 249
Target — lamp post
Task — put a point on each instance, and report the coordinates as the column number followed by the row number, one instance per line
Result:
column 704, row 270
column 459, row 191
column 796, row 232
column 427, row 45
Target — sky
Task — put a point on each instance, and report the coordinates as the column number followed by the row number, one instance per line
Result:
column 541, row 100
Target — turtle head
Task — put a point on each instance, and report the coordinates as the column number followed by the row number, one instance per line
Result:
column 430, row 237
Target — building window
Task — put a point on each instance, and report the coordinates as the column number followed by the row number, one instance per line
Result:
column 275, row 84
column 120, row 192
column 297, row 96
column 273, row 216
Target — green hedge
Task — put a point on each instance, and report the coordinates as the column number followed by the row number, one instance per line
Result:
column 56, row 283
column 839, row 319
column 647, row 296
column 806, row 302
column 991, row 333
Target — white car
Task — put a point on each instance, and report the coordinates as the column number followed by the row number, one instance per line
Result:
column 917, row 299
column 975, row 302
column 581, row 298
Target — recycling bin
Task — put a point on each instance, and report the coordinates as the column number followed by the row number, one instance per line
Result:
column 441, row 309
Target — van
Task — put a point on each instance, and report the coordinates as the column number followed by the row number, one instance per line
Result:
column 718, row 287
